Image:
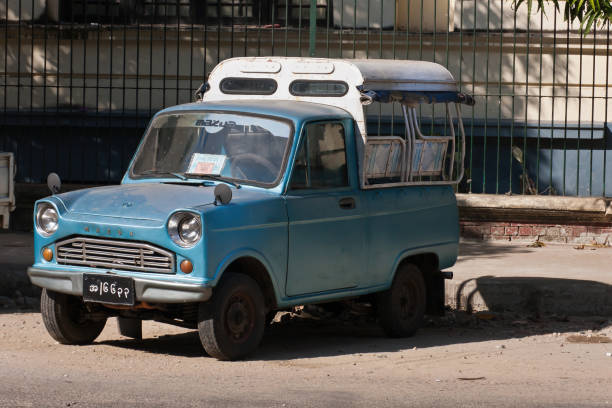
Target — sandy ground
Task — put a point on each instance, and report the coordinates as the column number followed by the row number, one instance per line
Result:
column 455, row 361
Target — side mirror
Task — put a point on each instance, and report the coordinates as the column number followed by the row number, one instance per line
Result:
column 223, row 194
column 54, row 183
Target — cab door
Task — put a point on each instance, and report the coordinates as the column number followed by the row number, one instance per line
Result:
column 326, row 214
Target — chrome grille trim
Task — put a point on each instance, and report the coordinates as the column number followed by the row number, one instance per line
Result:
column 114, row 254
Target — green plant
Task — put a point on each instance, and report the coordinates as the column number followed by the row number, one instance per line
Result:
column 588, row 12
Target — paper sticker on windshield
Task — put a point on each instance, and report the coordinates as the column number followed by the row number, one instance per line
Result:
column 202, row 163
column 214, row 126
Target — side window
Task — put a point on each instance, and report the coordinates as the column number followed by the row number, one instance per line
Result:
column 321, row 158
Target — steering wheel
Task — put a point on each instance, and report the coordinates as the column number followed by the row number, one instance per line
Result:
column 239, row 160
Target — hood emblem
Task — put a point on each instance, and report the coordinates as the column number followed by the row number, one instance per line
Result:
column 127, row 204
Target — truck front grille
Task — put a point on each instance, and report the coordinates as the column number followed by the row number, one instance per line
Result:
column 114, row 254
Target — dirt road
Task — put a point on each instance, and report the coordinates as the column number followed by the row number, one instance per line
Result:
column 456, row 361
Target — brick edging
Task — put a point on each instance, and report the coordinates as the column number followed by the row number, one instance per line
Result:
column 510, row 231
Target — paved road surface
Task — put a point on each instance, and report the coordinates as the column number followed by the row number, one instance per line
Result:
column 454, row 362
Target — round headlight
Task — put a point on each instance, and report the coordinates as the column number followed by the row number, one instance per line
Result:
column 46, row 219
column 185, row 228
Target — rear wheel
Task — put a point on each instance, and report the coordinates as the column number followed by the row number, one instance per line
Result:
column 231, row 324
column 401, row 308
column 67, row 320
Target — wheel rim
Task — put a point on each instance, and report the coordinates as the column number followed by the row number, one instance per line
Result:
column 240, row 317
column 407, row 298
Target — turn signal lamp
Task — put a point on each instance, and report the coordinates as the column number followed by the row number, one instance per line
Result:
column 186, row 266
column 47, row 254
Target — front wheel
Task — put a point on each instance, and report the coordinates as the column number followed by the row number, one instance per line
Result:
column 231, row 324
column 67, row 320
column 401, row 308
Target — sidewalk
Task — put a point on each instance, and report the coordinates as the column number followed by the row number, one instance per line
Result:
column 498, row 277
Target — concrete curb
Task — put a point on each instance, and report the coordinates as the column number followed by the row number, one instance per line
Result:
column 531, row 296
column 585, row 211
column 535, row 203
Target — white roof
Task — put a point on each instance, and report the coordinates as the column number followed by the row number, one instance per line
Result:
column 404, row 75
column 373, row 74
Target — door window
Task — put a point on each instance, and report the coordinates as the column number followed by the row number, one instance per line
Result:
column 321, row 159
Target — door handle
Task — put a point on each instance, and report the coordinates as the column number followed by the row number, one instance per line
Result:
column 347, row 203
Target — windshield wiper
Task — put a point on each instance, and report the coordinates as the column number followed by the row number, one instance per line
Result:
column 212, row 177
column 162, row 173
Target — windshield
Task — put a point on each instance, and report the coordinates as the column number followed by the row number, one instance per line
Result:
column 236, row 146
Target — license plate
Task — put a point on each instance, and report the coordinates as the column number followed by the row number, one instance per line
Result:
column 116, row 290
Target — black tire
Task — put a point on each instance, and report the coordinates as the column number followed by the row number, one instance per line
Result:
column 401, row 308
column 231, row 324
column 66, row 320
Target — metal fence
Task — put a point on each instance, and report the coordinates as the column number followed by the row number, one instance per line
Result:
column 79, row 79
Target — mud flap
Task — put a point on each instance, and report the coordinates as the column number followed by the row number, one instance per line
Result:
column 436, row 292
column 130, row 327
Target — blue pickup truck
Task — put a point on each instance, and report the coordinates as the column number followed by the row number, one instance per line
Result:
column 264, row 194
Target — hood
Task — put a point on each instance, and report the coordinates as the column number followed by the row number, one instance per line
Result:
column 146, row 201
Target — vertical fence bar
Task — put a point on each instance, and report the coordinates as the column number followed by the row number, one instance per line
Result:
column 499, row 97
column 605, row 130
column 579, row 136
column 486, row 107
column 5, row 142
column 354, row 27
column 433, row 51
column 286, row 25
column 367, row 42
column 18, row 55
column 97, row 102
column 380, row 37
column 191, row 41
column 31, row 75
column 471, row 183
column 299, row 29
column 124, row 88
column 341, row 25
column 83, row 102
column 539, row 134
column 512, row 115
column 327, row 11
column 312, row 35
column 552, row 119
column 110, row 95
column 592, row 110
column 44, row 89
column 269, row 14
column 178, row 50
column 525, row 177
column 421, row 33
column 232, row 31
column 165, row 48
column 567, row 54
column 57, row 90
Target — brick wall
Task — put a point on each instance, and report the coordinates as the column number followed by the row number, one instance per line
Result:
column 510, row 231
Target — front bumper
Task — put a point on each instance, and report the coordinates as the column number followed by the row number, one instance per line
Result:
column 147, row 290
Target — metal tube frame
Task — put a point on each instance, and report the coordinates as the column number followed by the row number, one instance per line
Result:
column 412, row 132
